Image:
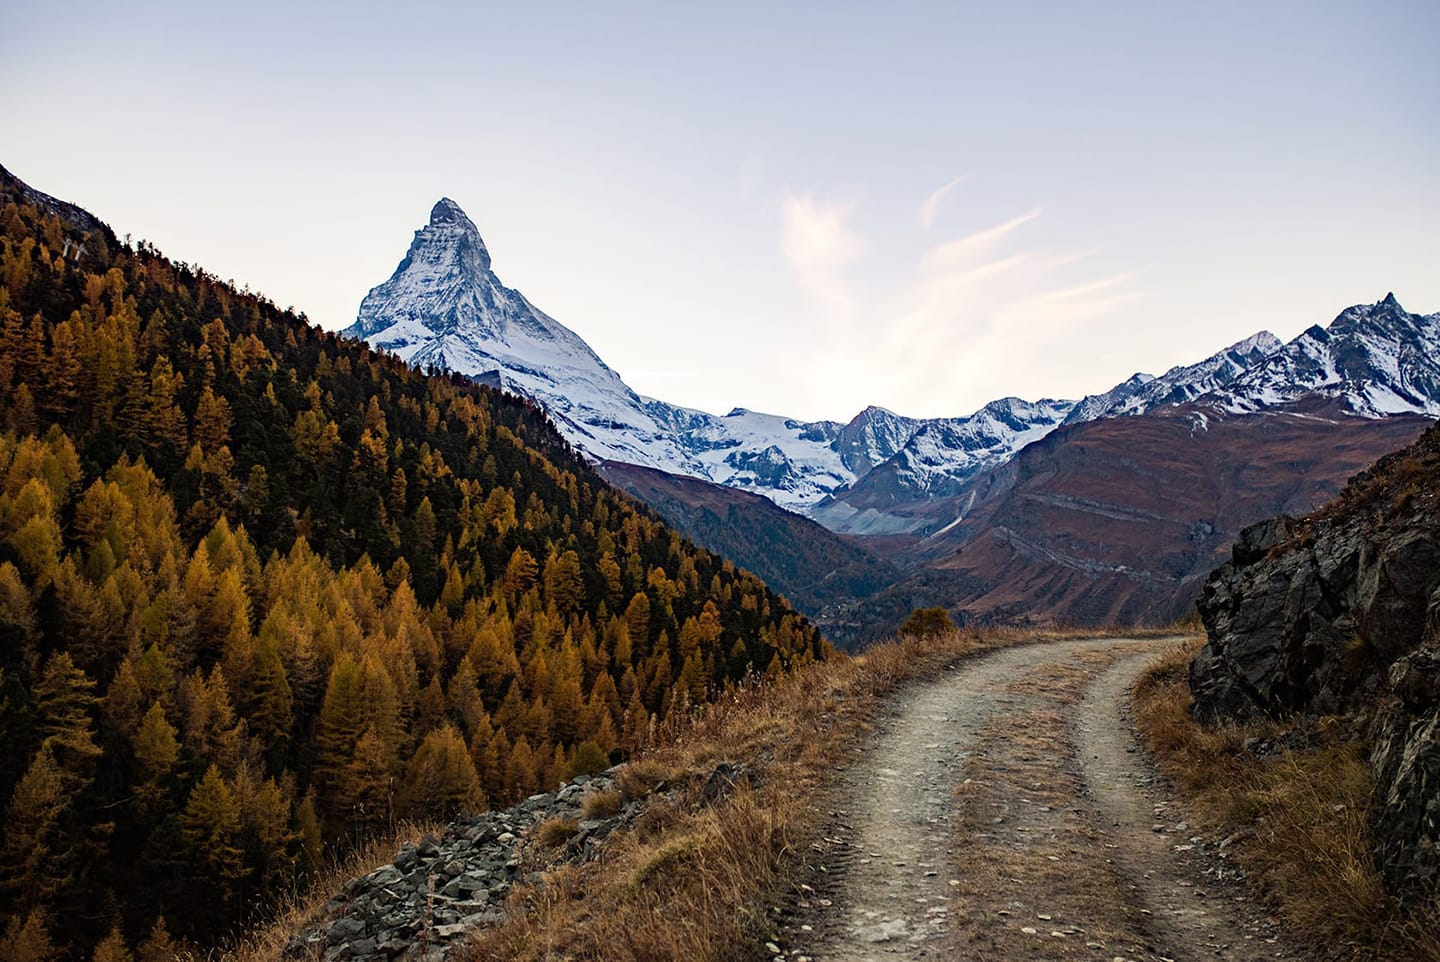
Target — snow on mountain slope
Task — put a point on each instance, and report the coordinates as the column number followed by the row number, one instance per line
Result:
column 946, row 451
column 873, row 437
column 1093, row 406
column 1142, row 392
column 444, row 307
column 794, row 463
column 941, row 455
column 1376, row 359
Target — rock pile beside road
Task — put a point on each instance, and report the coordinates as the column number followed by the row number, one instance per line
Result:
column 423, row 903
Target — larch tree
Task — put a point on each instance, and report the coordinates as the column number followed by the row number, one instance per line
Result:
column 440, row 780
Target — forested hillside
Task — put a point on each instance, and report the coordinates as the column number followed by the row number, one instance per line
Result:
column 264, row 591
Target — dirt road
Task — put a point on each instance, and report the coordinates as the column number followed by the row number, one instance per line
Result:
column 1004, row 813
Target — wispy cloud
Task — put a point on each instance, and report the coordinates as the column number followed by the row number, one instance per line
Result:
column 989, row 317
column 818, row 241
column 987, row 313
column 974, row 244
column 932, row 203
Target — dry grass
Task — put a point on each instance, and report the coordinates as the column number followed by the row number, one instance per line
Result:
column 643, row 775
column 1301, row 820
column 289, row 916
column 601, row 804
column 697, row 880
column 554, row 832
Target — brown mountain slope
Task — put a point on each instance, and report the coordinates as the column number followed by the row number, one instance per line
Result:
column 1116, row 521
column 816, row 569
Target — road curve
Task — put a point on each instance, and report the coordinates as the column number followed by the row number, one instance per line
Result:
column 1002, row 812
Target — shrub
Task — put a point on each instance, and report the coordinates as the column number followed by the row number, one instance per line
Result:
column 927, row 623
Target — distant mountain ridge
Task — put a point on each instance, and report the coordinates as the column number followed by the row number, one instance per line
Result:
column 1376, row 359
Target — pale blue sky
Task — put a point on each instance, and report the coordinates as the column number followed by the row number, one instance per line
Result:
column 748, row 206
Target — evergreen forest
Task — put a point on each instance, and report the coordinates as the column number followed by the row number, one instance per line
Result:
column 265, row 593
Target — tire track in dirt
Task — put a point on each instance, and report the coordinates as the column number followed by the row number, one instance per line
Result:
column 975, row 828
column 1188, row 903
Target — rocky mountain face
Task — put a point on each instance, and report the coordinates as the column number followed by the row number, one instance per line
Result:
column 71, row 214
column 445, row 308
column 1374, row 359
column 1119, row 520
column 937, row 461
column 1338, row 613
column 1142, row 393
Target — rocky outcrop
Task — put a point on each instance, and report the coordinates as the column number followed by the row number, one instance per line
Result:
column 1338, row 613
column 436, row 891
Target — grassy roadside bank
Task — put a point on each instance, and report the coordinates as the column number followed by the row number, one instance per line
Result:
column 699, row 880
column 1298, row 820
column 703, row 868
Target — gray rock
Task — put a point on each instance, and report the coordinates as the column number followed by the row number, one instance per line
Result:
column 1339, row 614
column 394, row 913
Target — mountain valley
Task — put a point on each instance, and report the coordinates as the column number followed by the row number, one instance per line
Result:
column 1104, row 510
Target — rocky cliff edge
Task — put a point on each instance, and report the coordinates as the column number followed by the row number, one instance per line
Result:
column 1338, row 614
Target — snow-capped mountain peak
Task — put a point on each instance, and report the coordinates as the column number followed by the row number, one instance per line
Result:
column 872, row 437
column 1374, row 359
column 445, row 307
column 1262, row 344
column 1182, row 383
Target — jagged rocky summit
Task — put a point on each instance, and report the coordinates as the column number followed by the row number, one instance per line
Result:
column 1338, row 613
column 444, row 307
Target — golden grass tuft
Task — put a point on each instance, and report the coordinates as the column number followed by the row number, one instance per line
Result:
column 641, row 775
column 555, row 832
column 1301, row 820
column 604, row 803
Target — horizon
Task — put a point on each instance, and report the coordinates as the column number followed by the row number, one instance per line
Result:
column 923, row 211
